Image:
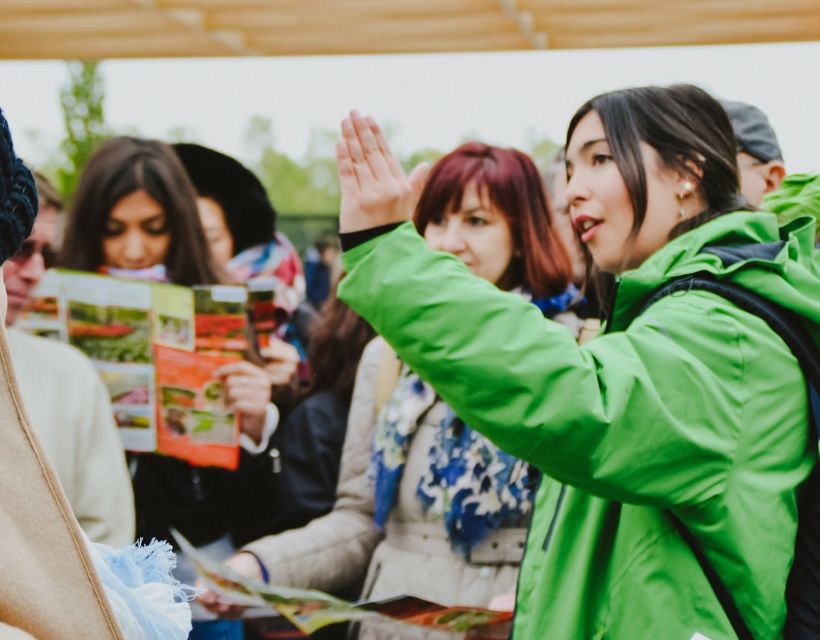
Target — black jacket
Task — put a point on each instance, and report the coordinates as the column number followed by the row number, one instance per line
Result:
column 287, row 486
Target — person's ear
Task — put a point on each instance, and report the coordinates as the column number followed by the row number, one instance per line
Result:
column 689, row 176
column 775, row 172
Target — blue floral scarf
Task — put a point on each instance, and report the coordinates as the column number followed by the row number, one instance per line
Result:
column 472, row 484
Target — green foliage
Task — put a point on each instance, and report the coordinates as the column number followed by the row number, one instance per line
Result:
column 296, row 186
column 542, row 150
column 307, row 185
column 181, row 133
column 428, row 155
column 81, row 100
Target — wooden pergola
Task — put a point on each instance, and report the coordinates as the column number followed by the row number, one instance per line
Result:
column 95, row 29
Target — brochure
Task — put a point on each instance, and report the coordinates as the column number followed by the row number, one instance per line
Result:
column 309, row 610
column 158, row 349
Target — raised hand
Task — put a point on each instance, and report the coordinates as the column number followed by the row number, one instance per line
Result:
column 375, row 189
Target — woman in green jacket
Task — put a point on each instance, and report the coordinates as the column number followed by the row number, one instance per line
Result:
column 690, row 406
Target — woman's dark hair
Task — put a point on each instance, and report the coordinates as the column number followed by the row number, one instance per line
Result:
column 336, row 344
column 118, row 167
column 688, row 129
column 691, row 133
column 514, row 186
column 249, row 213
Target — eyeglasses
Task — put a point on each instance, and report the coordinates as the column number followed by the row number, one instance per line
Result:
column 29, row 248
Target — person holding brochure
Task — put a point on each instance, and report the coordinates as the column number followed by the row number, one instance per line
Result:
column 67, row 403
column 134, row 213
column 239, row 221
column 449, row 503
column 680, row 434
column 55, row 583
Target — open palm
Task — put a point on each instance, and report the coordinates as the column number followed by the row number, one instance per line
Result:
column 375, row 190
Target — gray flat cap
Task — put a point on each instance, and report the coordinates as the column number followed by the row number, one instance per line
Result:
column 753, row 132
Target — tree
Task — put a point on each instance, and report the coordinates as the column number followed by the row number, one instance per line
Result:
column 307, row 185
column 428, row 155
column 181, row 133
column 542, row 150
column 81, row 101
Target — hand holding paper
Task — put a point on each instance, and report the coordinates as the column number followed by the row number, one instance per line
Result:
column 247, row 390
column 281, row 362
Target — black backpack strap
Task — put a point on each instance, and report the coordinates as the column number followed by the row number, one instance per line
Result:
column 718, row 587
column 804, row 580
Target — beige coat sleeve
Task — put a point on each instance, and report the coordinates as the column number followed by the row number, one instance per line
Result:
column 48, row 585
column 70, row 411
column 334, row 550
column 104, row 501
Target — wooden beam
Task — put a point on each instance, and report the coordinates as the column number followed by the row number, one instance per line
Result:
column 193, row 21
column 255, row 22
column 654, row 23
column 118, row 46
column 48, row 6
column 151, row 28
column 125, row 20
column 668, row 7
column 387, row 43
column 785, row 29
column 396, row 7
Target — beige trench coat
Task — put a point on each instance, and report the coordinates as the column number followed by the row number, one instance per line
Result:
column 48, row 586
column 414, row 555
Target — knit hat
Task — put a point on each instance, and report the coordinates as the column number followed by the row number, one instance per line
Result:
column 249, row 214
column 18, row 196
column 753, row 132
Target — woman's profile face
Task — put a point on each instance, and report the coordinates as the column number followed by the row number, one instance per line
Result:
column 600, row 206
column 220, row 241
column 136, row 234
column 477, row 233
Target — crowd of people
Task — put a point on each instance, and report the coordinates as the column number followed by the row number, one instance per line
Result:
column 567, row 395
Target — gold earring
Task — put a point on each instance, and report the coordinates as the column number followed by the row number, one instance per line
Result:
column 681, row 211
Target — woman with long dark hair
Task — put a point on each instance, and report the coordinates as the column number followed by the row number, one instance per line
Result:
column 134, row 214
column 688, row 415
column 135, row 209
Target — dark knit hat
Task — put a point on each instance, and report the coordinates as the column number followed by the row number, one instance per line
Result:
column 249, row 214
column 753, row 132
column 18, row 196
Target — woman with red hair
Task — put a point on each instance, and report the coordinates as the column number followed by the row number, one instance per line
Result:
column 425, row 505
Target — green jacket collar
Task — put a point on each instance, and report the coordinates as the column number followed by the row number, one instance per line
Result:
column 752, row 242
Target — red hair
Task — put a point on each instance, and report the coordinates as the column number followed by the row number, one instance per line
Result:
column 511, row 181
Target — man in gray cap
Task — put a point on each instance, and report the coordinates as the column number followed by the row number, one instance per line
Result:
column 759, row 159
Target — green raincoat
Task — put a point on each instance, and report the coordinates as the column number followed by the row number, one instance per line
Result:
column 697, row 407
column 799, row 195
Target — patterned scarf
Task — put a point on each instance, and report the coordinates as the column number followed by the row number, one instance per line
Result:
column 473, row 485
column 276, row 258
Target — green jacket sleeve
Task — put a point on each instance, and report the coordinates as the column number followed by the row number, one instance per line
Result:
column 623, row 417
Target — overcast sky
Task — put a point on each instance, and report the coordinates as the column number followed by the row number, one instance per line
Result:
column 434, row 100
